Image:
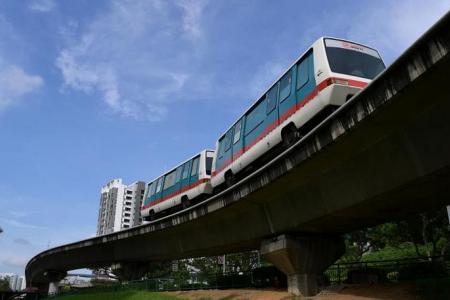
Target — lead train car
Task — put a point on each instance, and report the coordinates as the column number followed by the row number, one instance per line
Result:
column 328, row 74
column 178, row 188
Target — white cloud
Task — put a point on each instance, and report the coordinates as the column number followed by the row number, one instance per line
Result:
column 19, row 224
column 19, row 214
column 133, row 55
column 22, row 241
column 13, row 218
column 393, row 27
column 265, row 76
column 193, row 10
column 15, row 261
column 42, row 5
column 14, row 84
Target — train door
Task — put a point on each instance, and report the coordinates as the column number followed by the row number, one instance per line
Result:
column 151, row 195
column 237, row 142
column 254, row 131
column 185, row 175
column 148, row 194
column 306, row 83
column 287, row 100
column 223, row 157
column 177, row 185
column 193, row 178
column 158, row 189
column 272, row 109
column 227, row 149
column 169, row 188
column 209, row 158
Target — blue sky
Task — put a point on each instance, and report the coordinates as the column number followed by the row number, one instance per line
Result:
column 96, row 90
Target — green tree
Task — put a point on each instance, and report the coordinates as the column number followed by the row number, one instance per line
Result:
column 242, row 262
column 206, row 265
column 428, row 233
column 4, row 284
column 362, row 241
column 430, row 229
column 160, row 269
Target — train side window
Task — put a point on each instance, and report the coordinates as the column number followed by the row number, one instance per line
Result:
column 303, row 72
column 186, row 170
column 255, row 117
column 237, row 132
column 169, row 180
column 222, row 145
column 159, row 185
column 151, row 189
column 272, row 98
column 178, row 175
column 147, row 190
column 220, row 148
column 285, row 85
column 227, row 142
column 195, row 166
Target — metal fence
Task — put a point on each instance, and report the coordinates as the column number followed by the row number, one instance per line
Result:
column 196, row 281
column 20, row 295
column 353, row 272
column 262, row 277
column 388, row 270
column 191, row 282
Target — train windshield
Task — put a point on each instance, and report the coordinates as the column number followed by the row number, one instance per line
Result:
column 353, row 59
column 209, row 161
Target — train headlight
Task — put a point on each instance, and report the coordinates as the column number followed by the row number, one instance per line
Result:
column 331, row 81
column 341, row 81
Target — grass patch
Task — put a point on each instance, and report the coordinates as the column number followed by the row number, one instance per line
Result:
column 118, row 295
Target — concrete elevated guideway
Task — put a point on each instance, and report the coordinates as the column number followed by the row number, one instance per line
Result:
column 382, row 156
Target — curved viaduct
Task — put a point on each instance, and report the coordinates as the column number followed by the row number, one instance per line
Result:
column 382, row 156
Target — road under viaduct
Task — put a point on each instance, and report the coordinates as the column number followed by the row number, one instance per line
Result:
column 382, row 156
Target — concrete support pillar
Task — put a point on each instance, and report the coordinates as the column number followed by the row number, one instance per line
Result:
column 54, row 277
column 53, row 288
column 130, row 270
column 302, row 259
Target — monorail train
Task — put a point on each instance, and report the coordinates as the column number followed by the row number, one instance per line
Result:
column 179, row 187
column 328, row 74
column 325, row 76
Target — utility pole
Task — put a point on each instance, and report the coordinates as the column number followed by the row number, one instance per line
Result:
column 448, row 214
column 259, row 259
column 224, row 264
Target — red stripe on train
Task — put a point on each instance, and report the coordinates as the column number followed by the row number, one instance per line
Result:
column 186, row 188
column 294, row 108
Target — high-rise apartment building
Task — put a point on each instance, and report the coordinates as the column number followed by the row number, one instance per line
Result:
column 16, row 282
column 21, row 285
column 13, row 282
column 120, row 206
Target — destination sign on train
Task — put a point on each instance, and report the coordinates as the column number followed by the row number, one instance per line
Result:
column 351, row 46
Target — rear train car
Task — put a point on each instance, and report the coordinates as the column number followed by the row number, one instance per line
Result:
column 325, row 76
column 185, row 184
